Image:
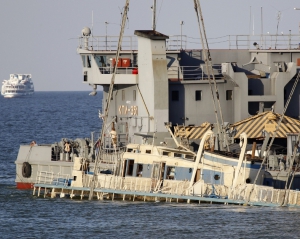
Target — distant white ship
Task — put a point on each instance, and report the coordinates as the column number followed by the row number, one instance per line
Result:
column 18, row 85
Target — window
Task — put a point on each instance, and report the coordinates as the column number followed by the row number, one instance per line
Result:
column 100, row 60
column 148, row 151
column 83, row 60
column 134, row 95
column 89, row 61
column 175, row 95
column 170, row 173
column 123, row 94
column 228, row 94
column 130, row 167
column 177, row 155
column 198, row 95
column 190, row 157
column 166, row 153
column 139, row 170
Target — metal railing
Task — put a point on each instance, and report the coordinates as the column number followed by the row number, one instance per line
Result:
column 178, row 42
column 44, row 177
column 174, row 72
column 129, row 43
column 119, row 70
column 193, row 72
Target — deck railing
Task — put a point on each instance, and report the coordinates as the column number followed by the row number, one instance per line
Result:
column 177, row 42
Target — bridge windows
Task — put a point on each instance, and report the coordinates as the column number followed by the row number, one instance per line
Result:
column 89, row 61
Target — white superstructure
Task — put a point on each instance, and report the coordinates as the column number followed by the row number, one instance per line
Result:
column 17, row 85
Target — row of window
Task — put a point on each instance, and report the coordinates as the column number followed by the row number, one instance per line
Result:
column 175, row 95
column 198, row 95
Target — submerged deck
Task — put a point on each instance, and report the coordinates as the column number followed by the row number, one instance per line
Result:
column 113, row 194
column 109, row 187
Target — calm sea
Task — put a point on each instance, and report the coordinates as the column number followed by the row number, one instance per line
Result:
column 49, row 116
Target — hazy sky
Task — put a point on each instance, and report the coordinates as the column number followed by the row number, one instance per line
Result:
column 40, row 37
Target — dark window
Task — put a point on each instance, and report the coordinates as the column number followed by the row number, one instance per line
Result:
column 250, row 92
column 175, row 95
column 166, row 153
column 139, row 170
column 228, row 94
column 100, row 60
column 198, row 95
column 89, row 61
column 170, row 173
column 130, row 167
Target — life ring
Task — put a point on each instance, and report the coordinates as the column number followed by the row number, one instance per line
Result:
column 26, row 170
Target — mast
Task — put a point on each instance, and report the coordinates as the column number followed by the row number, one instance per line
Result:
column 208, row 64
column 154, row 15
column 126, row 7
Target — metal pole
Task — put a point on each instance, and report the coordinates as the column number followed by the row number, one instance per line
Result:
column 181, row 23
column 106, row 35
column 290, row 39
column 154, row 16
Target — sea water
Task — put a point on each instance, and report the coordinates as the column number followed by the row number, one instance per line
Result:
column 46, row 117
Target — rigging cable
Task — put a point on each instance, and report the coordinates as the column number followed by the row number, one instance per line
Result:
column 124, row 18
column 209, row 69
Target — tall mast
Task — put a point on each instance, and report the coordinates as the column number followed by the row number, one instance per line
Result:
column 109, row 98
column 210, row 73
column 154, row 15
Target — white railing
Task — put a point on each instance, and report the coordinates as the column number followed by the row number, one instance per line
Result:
column 129, row 43
column 44, row 177
column 178, row 42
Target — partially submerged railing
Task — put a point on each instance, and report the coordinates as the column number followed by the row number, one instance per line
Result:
column 50, row 178
column 262, row 195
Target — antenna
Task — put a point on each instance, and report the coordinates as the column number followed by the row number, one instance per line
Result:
column 250, row 21
column 278, row 20
column 92, row 22
column 262, row 27
column 253, row 26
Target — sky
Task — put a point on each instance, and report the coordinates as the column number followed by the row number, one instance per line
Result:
column 40, row 37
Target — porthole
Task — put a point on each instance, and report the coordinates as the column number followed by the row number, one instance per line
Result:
column 248, row 180
column 217, row 177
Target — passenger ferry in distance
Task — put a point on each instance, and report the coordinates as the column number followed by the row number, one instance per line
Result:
column 18, row 85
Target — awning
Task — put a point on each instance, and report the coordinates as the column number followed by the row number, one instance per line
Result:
column 266, row 121
column 191, row 132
